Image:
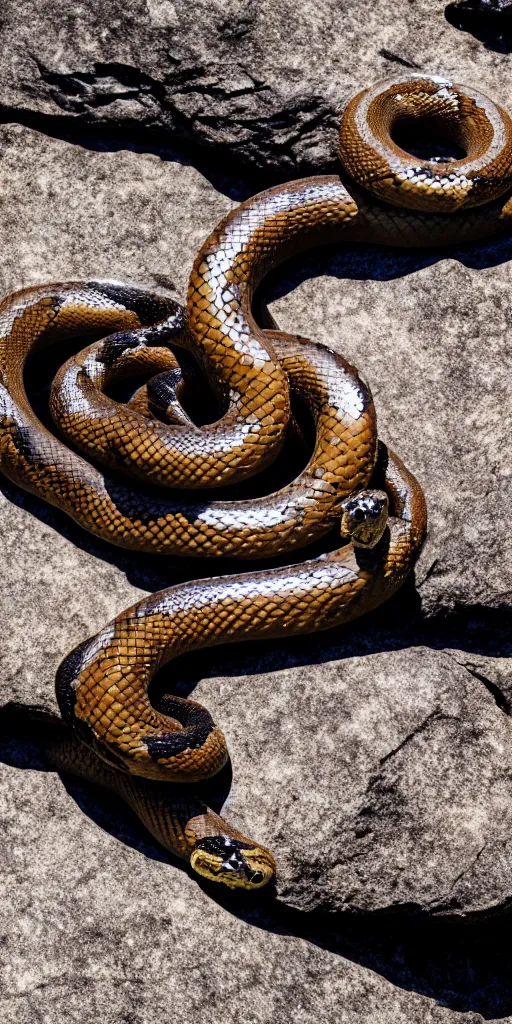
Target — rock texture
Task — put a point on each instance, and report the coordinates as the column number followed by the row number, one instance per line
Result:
column 261, row 82
column 376, row 761
column 96, row 926
column 430, row 335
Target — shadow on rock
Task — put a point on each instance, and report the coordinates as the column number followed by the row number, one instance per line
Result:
column 239, row 182
column 358, row 262
column 397, row 625
column 463, row 965
column 490, row 21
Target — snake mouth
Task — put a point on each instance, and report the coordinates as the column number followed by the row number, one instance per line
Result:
column 237, row 864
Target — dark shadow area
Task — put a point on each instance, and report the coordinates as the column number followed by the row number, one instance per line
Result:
column 219, row 165
column 490, row 21
column 357, row 262
column 462, row 964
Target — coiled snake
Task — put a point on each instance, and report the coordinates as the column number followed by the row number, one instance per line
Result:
column 102, row 686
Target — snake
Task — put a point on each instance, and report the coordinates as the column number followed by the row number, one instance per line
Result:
column 120, row 470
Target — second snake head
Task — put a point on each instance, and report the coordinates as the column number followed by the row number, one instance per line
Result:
column 364, row 517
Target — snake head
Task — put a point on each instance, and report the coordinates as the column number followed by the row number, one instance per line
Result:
column 240, row 865
column 364, row 517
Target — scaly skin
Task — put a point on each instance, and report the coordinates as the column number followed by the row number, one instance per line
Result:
column 480, row 127
column 176, row 816
column 103, row 685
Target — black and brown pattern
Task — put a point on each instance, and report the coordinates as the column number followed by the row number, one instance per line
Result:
column 103, row 685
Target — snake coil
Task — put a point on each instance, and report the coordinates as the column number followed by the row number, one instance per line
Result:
column 142, row 753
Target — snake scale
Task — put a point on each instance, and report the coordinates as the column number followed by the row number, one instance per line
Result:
column 111, row 463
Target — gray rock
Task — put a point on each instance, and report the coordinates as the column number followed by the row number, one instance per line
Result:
column 96, row 926
column 262, row 83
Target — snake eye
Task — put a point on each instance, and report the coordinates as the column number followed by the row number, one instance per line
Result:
column 257, row 877
column 359, row 513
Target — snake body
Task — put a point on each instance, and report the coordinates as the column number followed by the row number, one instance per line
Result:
column 102, row 686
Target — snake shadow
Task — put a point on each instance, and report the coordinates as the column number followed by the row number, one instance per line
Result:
column 359, row 262
column 461, row 965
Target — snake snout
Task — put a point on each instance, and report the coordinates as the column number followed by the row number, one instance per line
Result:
column 364, row 517
column 237, row 864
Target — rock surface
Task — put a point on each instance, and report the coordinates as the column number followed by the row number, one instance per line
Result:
column 261, row 82
column 96, row 926
column 376, row 762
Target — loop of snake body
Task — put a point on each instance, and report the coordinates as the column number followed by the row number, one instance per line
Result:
column 102, row 686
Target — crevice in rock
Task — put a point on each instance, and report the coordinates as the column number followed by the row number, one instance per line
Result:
column 500, row 698
column 430, row 572
column 436, row 714
column 78, row 91
column 469, row 867
column 206, row 113
column 232, row 171
column 111, row 81
column 395, row 59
